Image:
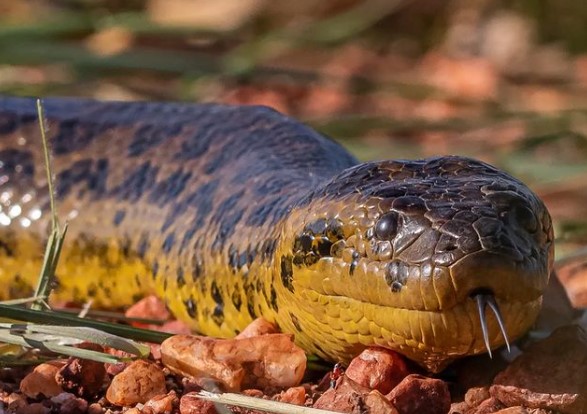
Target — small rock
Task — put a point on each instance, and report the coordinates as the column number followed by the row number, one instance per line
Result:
column 161, row 404
column 264, row 361
column 190, row 404
column 378, row 369
column 293, row 395
column 16, row 402
column 459, row 408
column 259, row 326
column 138, row 383
column 34, row 408
column 541, row 378
column 476, row 396
column 95, row 408
column 347, row 396
column 42, row 380
column 82, row 377
column 150, row 307
column 488, row 406
column 522, row 410
column 422, row 395
column 67, row 403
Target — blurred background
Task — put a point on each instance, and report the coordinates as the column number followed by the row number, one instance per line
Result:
column 504, row 81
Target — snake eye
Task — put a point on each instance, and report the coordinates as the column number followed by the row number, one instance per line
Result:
column 386, row 226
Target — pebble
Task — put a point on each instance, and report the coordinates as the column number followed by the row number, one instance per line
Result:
column 138, row 383
column 551, row 374
column 190, row 404
column 265, row 361
column 82, row 377
column 378, row 369
column 349, row 397
column 422, row 395
column 42, row 380
column 162, row 404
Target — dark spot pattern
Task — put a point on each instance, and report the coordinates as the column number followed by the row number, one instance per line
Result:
column 150, row 136
column 137, row 183
column 118, row 217
column 287, row 272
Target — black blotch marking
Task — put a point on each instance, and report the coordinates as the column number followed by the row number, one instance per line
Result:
column 118, row 217
column 143, row 246
column 72, row 136
column 227, row 214
column 237, row 301
column 268, row 248
column 298, row 259
column 233, row 258
column 323, row 247
column 197, row 144
column 180, row 278
column 202, row 200
column 218, row 313
column 97, row 180
column 311, row 258
column 197, row 268
column 273, row 299
column 151, row 136
column 303, row 243
column 136, row 183
column 155, row 269
column 79, row 171
column 136, row 297
column 168, row 243
column 242, row 260
column 263, row 213
column 296, row 322
column 218, row 160
column 92, row 290
column 138, row 281
column 191, row 307
column 250, row 294
column 287, row 272
column 170, row 188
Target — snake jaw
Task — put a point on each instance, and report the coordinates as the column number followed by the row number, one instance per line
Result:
column 483, row 299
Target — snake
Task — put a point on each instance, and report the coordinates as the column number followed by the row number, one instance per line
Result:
column 230, row 213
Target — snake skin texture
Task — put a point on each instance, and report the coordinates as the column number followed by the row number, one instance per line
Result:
column 230, row 213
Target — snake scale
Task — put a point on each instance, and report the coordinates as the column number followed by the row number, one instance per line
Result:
column 230, row 213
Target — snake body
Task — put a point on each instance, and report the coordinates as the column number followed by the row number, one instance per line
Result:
column 230, row 213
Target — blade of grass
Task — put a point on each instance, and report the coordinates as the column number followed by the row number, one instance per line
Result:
column 7, row 337
column 82, row 333
column 50, row 317
column 257, row 403
column 56, row 237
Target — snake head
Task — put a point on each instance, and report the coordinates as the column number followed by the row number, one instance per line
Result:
column 399, row 253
